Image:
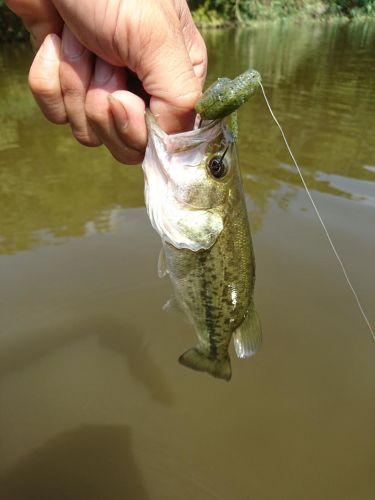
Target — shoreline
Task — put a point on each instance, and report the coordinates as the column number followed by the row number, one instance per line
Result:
column 12, row 30
column 254, row 23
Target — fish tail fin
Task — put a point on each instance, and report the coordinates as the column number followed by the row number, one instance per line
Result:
column 198, row 360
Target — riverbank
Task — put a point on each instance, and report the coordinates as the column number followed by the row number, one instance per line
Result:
column 216, row 13
column 11, row 28
column 221, row 13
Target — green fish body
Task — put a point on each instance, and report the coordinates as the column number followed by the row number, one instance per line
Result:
column 214, row 288
column 195, row 201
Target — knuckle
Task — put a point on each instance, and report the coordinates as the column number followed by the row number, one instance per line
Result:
column 53, row 110
column 70, row 92
column 95, row 114
column 43, row 87
column 57, row 118
column 86, row 139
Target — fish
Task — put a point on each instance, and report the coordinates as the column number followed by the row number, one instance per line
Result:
column 195, row 201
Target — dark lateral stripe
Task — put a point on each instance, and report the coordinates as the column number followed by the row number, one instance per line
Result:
column 209, row 319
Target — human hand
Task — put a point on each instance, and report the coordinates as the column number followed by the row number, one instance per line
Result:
column 94, row 57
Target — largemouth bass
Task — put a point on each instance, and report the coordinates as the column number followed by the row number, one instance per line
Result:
column 195, row 201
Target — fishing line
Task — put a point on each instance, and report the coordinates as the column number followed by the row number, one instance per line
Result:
column 319, row 217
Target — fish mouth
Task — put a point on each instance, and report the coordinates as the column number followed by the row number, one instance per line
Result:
column 183, row 141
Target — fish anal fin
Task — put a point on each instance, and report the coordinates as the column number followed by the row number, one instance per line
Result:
column 248, row 336
column 198, row 360
column 162, row 264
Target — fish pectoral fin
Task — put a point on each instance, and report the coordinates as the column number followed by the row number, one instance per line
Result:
column 200, row 228
column 248, row 336
column 198, row 360
column 162, row 264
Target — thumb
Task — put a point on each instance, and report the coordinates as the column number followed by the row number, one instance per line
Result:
column 173, row 101
column 167, row 73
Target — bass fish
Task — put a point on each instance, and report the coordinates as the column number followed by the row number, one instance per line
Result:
column 195, row 201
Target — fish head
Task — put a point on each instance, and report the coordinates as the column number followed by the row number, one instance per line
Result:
column 189, row 178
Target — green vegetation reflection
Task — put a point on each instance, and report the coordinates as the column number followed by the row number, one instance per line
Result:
column 318, row 79
column 319, row 82
column 50, row 186
column 213, row 13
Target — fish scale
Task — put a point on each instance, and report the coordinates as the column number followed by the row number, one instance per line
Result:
column 205, row 282
column 195, row 201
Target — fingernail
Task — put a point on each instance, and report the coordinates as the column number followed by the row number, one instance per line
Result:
column 119, row 112
column 103, row 71
column 50, row 47
column 71, row 47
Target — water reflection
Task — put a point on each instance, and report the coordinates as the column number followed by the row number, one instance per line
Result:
column 86, row 462
column 16, row 102
column 52, row 188
column 319, row 84
column 90, row 389
column 18, row 352
column 140, row 363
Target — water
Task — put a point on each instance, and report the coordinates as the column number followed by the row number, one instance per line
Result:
column 93, row 403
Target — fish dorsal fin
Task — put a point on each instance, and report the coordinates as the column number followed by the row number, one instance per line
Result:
column 162, row 264
column 248, row 336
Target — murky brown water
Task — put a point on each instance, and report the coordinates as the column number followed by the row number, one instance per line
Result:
column 93, row 404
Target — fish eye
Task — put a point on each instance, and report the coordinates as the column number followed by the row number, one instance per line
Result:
column 217, row 167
